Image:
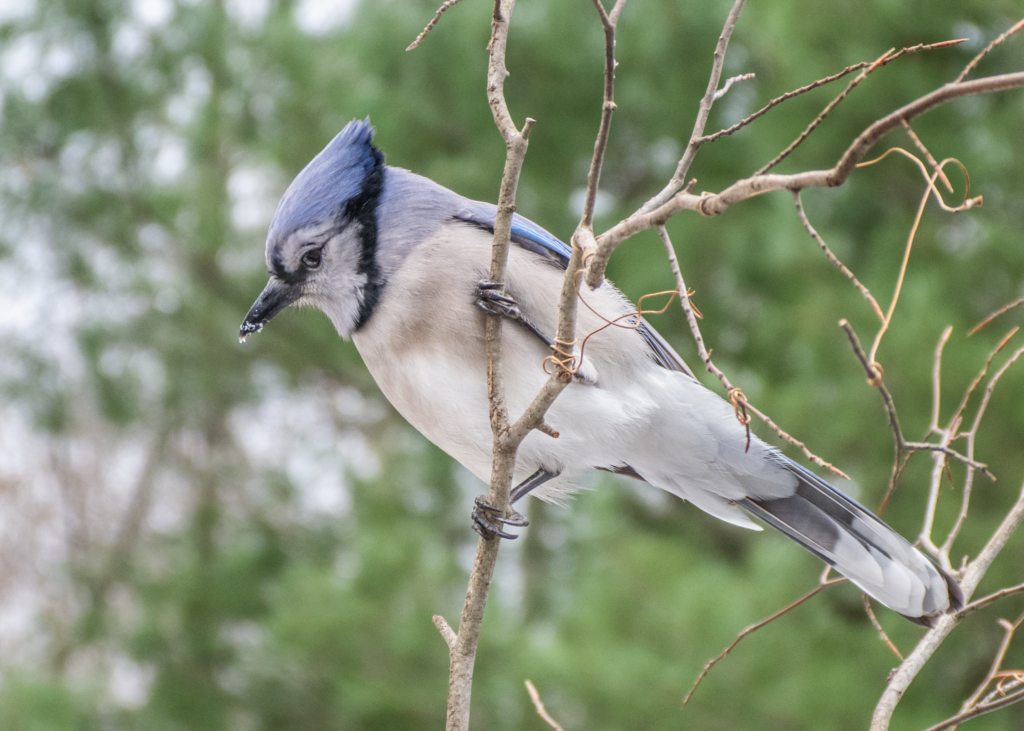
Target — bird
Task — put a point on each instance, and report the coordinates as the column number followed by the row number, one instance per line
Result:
column 399, row 265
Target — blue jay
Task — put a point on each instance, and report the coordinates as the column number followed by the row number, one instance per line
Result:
column 398, row 263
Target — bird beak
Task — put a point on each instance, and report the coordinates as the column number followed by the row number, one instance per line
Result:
column 275, row 297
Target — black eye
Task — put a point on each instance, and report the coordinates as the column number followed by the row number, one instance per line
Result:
column 311, row 259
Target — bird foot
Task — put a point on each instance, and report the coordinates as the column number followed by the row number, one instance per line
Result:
column 487, row 520
column 493, row 301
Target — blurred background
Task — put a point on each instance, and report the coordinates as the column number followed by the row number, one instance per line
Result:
column 196, row 534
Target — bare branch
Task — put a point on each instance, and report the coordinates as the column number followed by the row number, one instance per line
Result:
column 430, row 26
column 954, row 426
column 754, row 628
column 728, row 85
column 972, row 575
column 508, row 437
column 933, row 428
column 735, row 395
column 878, row 627
column 997, row 663
column 539, row 705
column 462, row 650
column 447, row 633
column 826, row 111
column 997, row 313
column 980, row 710
column 821, row 82
column 874, row 373
column 712, row 204
column 991, row 599
column 988, row 49
column 833, row 258
column 927, row 155
column 703, row 110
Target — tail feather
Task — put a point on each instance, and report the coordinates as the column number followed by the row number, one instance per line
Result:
column 861, row 547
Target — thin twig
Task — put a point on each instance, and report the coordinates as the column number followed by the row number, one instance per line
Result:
column 447, row 633
column 754, row 628
column 430, row 26
column 986, row 601
column 736, row 397
column 933, row 428
column 927, row 155
column 971, row 436
column 878, row 627
column 713, row 204
column 821, row 82
column 728, row 84
column 878, row 63
column 978, row 711
column 972, row 575
column 1002, row 310
column 676, row 183
column 997, row 663
column 875, row 380
column 833, row 258
column 539, row 705
column 988, row 49
column 899, row 277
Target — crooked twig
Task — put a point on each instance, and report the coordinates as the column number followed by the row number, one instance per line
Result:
column 972, row 575
column 676, row 183
column 735, row 395
column 713, row 204
column 878, row 627
column 508, row 437
column 430, row 26
column 988, row 49
column 538, row 704
column 820, row 82
column 754, row 628
column 833, row 258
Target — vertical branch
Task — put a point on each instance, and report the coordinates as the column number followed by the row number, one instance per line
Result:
column 508, row 437
column 463, row 646
column 703, row 111
column 908, row 670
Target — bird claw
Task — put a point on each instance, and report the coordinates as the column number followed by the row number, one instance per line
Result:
column 486, row 518
column 490, row 299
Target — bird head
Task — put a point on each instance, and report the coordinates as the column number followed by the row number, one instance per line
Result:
column 322, row 240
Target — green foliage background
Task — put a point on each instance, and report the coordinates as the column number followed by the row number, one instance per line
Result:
column 249, row 611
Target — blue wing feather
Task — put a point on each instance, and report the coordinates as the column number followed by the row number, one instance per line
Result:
column 528, row 235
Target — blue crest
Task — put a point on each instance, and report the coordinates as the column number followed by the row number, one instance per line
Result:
column 329, row 182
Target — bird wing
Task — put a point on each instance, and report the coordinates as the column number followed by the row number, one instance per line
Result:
column 531, row 237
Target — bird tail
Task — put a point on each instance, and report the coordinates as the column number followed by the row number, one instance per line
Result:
column 858, row 545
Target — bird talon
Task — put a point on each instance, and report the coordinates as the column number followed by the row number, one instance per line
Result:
column 492, row 300
column 485, row 517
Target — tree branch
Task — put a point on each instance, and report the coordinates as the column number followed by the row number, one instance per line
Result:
column 712, row 204
column 972, row 575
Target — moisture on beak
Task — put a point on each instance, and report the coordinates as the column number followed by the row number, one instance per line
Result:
column 275, row 297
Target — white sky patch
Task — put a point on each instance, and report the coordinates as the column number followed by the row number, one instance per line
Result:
column 604, row 202
column 182, row 107
column 21, row 66
column 254, row 193
column 130, row 682
column 320, row 17
column 301, row 433
column 130, row 41
column 164, row 153
column 249, row 14
column 153, row 13
column 11, row 10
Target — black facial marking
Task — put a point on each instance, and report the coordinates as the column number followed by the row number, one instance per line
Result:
column 363, row 209
column 279, row 270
